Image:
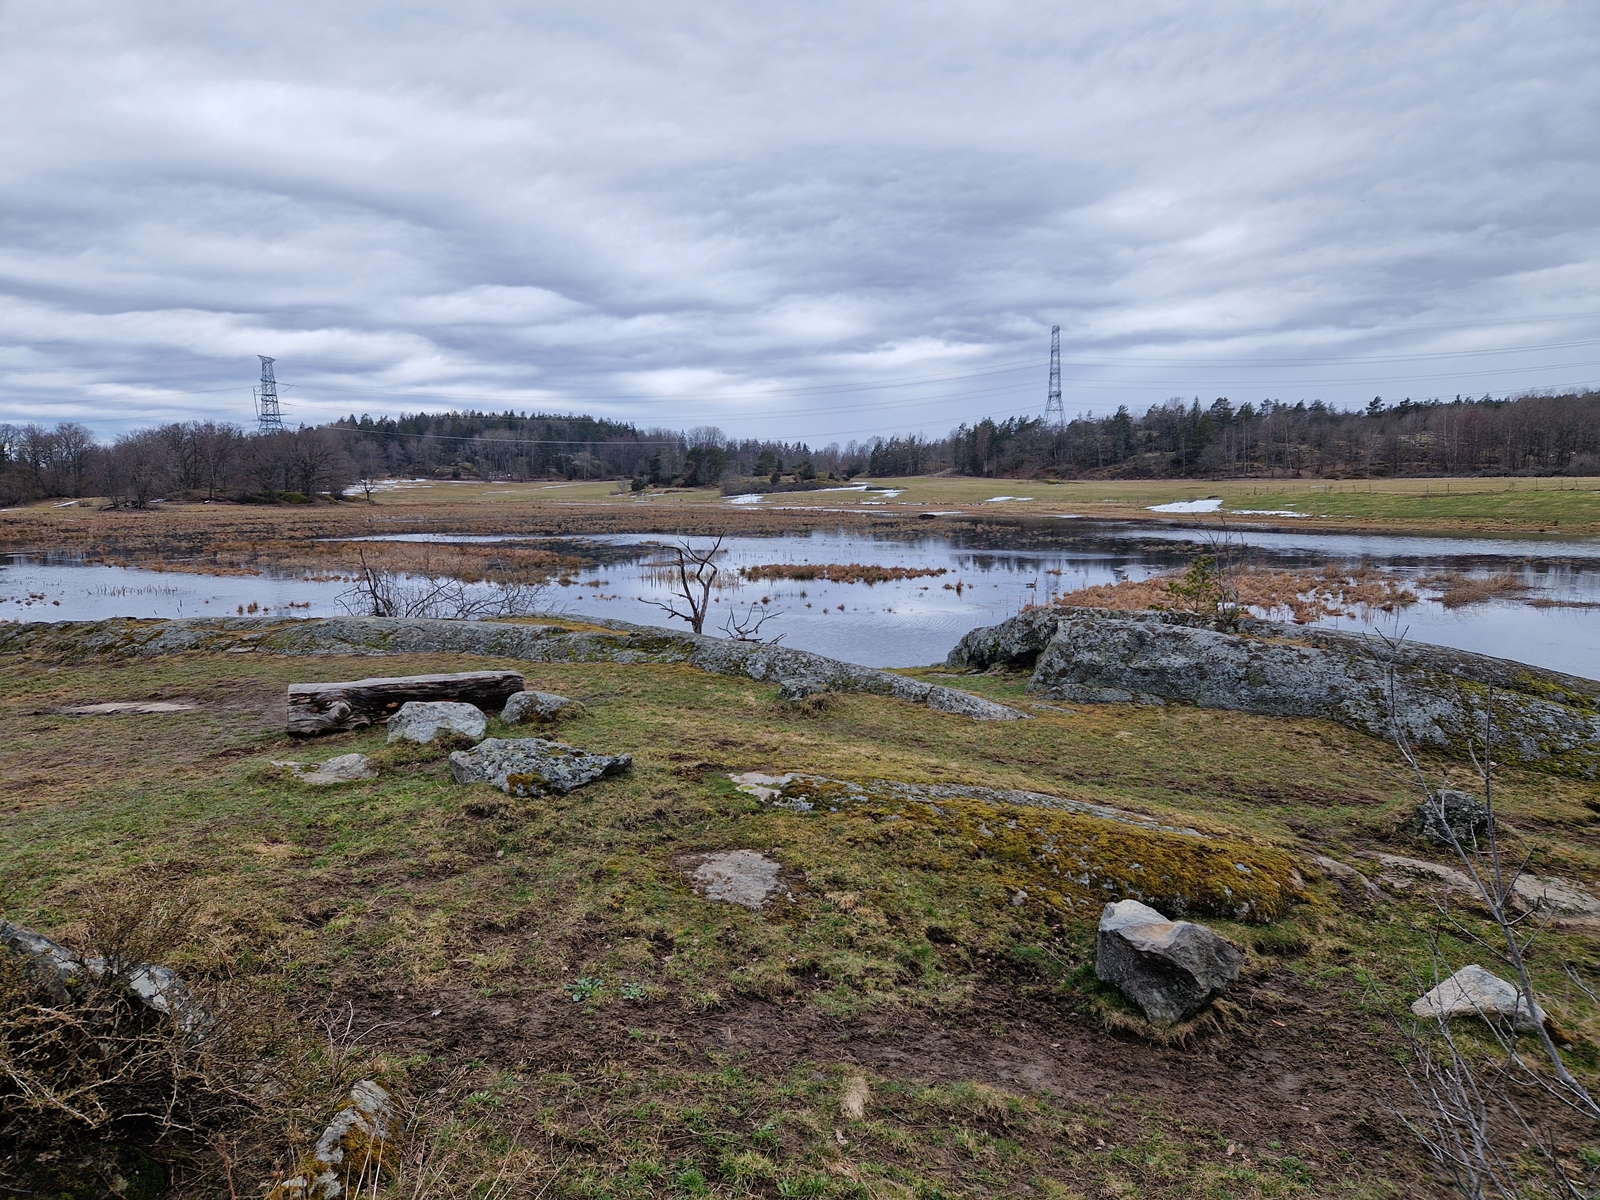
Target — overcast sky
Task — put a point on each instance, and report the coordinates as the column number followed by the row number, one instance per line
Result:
column 814, row 220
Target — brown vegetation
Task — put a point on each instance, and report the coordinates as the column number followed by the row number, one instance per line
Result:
column 1301, row 596
column 1457, row 590
column 838, row 572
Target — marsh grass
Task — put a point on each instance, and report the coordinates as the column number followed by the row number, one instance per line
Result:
column 1301, row 596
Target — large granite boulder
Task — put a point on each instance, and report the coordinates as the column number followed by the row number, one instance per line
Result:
column 1170, row 969
column 539, row 706
column 1474, row 992
column 427, row 720
column 533, row 766
column 1101, row 655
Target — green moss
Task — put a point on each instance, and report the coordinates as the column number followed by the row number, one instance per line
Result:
column 1077, row 863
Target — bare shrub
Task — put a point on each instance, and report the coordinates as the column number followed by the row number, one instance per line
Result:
column 1484, row 1113
column 218, row 1103
column 434, row 593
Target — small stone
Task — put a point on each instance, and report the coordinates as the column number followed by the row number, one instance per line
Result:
column 539, row 706
column 1474, row 992
column 743, row 877
column 1453, row 816
column 347, row 768
column 425, row 720
column 1170, row 969
column 531, row 766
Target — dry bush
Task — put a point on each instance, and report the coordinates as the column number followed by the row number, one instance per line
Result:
column 442, row 589
column 216, row 1100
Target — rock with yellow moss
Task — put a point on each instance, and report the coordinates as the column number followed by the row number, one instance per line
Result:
column 354, row 1151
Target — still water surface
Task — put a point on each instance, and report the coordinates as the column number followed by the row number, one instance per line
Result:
column 988, row 576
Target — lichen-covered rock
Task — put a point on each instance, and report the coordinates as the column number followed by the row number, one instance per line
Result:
column 426, row 720
column 354, row 1152
column 1170, row 969
column 1098, row 655
column 346, row 768
column 532, row 766
column 1474, row 992
column 744, row 877
column 1453, row 817
column 539, row 706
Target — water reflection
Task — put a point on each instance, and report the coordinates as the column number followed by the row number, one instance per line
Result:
column 989, row 573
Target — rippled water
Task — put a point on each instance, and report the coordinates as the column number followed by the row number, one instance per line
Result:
column 988, row 576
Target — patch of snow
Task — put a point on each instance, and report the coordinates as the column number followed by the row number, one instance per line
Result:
column 747, row 498
column 998, row 499
column 1188, row 506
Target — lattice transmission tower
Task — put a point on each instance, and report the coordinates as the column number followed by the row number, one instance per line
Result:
column 1053, row 412
column 269, row 419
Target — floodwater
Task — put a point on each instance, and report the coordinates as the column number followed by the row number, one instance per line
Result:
column 987, row 576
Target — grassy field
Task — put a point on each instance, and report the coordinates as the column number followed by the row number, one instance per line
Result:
column 566, row 1017
column 227, row 536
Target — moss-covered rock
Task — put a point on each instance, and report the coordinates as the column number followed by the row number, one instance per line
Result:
column 1065, row 855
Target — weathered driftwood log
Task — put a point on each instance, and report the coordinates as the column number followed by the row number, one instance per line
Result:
column 318, row 708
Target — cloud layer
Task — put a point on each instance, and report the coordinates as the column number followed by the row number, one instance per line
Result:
column 824, row 221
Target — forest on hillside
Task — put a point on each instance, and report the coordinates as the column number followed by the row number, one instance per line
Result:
column 1527, row 435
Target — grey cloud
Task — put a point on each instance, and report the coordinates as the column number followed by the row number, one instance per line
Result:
column 682, row 213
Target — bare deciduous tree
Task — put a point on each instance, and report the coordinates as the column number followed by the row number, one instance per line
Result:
column 691, row 574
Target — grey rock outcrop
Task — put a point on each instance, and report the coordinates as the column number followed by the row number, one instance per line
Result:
column 1541, row 717
column 346, row 768
column 1170, row 969
column 799, row 673
column 1453, row 817
column 426, row 720
column 533, row 766
column 744, row 877
column 538, row 706
column 58, row 972
column 1474, row 992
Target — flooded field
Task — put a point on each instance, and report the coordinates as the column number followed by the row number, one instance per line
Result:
column 955, row 582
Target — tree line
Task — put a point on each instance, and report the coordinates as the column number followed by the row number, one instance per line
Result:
column 1532, row 435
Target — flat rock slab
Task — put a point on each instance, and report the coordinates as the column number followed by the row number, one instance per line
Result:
column 533, row 766
column 744, row 877
column 1170, row 969
column 1474, row 992
column 539, row 706
column 320, row 708
column 347, row 768
column 142, row 707
column 426, row 721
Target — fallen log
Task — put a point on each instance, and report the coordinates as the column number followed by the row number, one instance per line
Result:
column 319, row 708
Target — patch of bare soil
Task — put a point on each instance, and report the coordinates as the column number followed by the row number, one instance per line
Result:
column 1301, row 1068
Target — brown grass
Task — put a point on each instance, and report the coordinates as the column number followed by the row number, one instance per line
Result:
column 1457, row 590
column 839, row 572
column 1301, row 596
